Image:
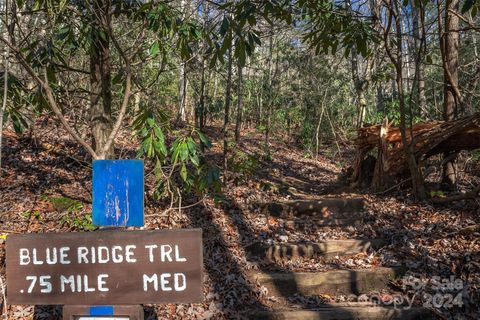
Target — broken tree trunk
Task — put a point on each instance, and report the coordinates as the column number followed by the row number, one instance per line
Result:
column 382, row 159
column 430, row 138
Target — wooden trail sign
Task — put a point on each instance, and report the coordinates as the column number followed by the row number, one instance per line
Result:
column 105, row 267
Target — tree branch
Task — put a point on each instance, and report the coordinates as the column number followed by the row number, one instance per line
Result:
column 50, row 96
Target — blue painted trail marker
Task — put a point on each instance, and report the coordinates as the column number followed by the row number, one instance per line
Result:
column 118, row 189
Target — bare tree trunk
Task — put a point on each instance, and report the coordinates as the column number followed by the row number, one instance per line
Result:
column 226, row 119
column 182, row 82
column 205, row 98
column 405, row 50
column 182, row 93
column 269, row 93
column 238, row 124
column 247, row 122
column 201, row 111
column 319, row 123
column 450, row 49
column 359, row 82
column 419, row 35
column 417, row 179
column 449, row 45
column 379, row 98
column 5, row 86
column 259, row 100
column 472, row 86
column 100, row 79
column 214, row 96
column 359, row 90
column 375, row 8
column 397, row 60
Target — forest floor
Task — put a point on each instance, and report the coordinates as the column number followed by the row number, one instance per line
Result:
column 38, row 175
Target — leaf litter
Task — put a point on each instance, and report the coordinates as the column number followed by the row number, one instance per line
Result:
column 430, row 241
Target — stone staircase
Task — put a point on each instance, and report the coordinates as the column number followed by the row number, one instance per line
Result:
column 299, row 295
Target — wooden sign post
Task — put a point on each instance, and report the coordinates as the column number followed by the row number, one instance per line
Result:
column 108, row 273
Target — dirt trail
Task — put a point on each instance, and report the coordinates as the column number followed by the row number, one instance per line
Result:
column 425, row 241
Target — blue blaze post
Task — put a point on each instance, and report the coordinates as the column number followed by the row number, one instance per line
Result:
column 117, row 193
column 101, row 311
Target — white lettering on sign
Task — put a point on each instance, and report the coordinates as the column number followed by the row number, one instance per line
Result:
column 78, row 282
column 165, row 253
column 179, row 282
column 43, row 282
column 64, row 255
column 101, row 282
column 28, row 256
column 129, row 253
column 82, row 253
column 64, row 281
column 100, row 254
column 153, row 279
column 24, row 256
column 150, row 248
column 51, row 255
column 104, row 254
column 117, row 257
column 82, row 283
column 164, row 281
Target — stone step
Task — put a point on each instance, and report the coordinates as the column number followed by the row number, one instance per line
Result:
column 318, row 207
column 326, row 249
column 334, row 282
column 341, row 311
column 320, row 223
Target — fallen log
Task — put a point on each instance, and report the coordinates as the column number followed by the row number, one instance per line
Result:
column 428, row 139
column 458, row 197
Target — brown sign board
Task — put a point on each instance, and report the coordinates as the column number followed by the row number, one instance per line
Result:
column 105, row 267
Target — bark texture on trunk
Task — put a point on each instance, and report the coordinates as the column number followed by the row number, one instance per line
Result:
column 182, row 82
column 420, row 98
column 450, row 98
column 226, row 119
column 359, row 85
column 200, row 114
column 100, row 79
column 5, row 85
column 450, row 49
column 238, row 123
column 269, row 93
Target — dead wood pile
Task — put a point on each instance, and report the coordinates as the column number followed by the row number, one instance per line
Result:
column 429, row 139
